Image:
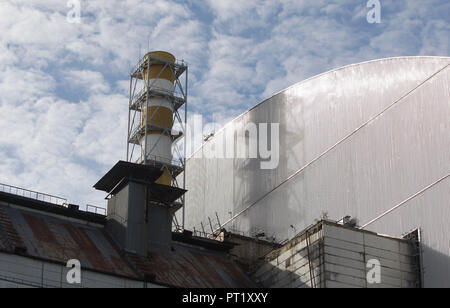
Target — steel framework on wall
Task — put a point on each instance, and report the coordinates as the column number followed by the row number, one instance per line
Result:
column 139, row 100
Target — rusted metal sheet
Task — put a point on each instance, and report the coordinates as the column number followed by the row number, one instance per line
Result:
column 9, row 239
column 189, row 268
column 59, row 240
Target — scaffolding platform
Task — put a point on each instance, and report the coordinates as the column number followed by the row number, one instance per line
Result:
column 144, row 89
column 137, row 103
column 139, row 132
column 177, row 68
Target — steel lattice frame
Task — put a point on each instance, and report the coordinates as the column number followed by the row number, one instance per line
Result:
column 136, row 130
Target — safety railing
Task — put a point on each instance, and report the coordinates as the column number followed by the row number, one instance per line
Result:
column 35, row 195
column 157, row 91
column 179, row 66
column 95, row 209
column 32, row 194
column 154, row 159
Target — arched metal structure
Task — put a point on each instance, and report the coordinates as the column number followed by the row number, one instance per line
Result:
column 370, row 140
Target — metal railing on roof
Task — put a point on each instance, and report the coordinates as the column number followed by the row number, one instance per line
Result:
column 33, row 194
column 95, row 209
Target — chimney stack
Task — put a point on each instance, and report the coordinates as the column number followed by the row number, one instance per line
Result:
column 143, row 193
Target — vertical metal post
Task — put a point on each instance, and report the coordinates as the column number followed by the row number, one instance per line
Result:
column 218, row 221
column 310, row 262
column 185, row 143
column 42, row 275
column 129, row 118
column 322, row 280
column 203, row 228
column 146, row 109
column 210, row 224
column 146, row 203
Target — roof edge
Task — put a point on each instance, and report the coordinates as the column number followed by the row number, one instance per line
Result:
column 51, row 208
column 311, row 78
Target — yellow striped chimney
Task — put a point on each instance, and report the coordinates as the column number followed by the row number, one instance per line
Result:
column 158, row 142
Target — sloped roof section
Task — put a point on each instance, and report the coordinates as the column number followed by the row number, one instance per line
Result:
column 191, row 268
column 58, row 239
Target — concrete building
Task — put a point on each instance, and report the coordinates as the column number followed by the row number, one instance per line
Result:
column 329, row 255
column 38, row 238
column 363, row 151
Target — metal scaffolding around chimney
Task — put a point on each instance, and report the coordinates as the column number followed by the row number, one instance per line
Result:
column 140, row 95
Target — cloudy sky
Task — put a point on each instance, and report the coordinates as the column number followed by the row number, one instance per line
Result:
column 64, row 86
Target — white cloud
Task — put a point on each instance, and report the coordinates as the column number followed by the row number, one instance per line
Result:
column 236, row 17
column 63, row 145
column 63, row 86
column 90, row 81
column 22, row 85
column 103, row 135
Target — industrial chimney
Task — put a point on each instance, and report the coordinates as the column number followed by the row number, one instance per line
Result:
column 143, row 192
column 158, row 113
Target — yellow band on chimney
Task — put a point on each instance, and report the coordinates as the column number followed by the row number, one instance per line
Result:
column 158, row 70
column 158, row 116
column 165, row 178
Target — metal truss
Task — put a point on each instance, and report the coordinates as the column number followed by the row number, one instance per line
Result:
column 139, row 100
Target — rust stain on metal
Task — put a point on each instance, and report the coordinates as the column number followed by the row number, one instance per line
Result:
column 119, row 263
column 45, row 238
column 189, row 269
column 89, row 249
column 212, row 266
column 10, row 235
column 40, row 229
column 57, row 239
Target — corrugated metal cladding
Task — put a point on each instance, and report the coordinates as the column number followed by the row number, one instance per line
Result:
column 24, row 272
column 336, row 257
column 366, row 137
column 192, row 268
column 51, row 240
column 59, row 240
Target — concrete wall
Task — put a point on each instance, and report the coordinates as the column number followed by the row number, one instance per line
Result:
column 248, row 250
column 346, row 253
column 135, row 227
column 337, row 258
column 22, row 272
column 291, row 267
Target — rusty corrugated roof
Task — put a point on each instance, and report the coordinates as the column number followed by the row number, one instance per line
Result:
column 57, row 239
column 191, row 268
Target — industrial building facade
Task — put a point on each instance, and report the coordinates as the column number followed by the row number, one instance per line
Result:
column 369, row 140
column 360, row 196
column 329, row 255
column 38, row 238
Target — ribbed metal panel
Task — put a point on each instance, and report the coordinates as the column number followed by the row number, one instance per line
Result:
column 31, row 241
column 363, row 139
column 21, row 272
column 336, row 256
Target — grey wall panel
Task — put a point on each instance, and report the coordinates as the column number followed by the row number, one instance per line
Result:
column 388, row 160
column 17, row 271
column 339, row 254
